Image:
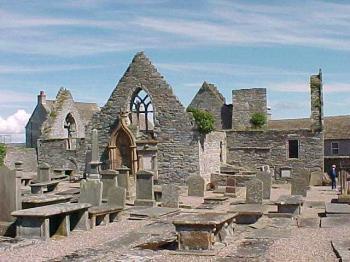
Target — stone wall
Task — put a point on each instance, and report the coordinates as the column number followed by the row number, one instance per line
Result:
column 177, row 142
column 316, row 102
column 252, row 149
column 33, row 127
column 211, row 147
column 20, row 153
column 245, row 103
column 55, row 153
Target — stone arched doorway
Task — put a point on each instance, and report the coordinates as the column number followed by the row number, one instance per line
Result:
column 122, row 146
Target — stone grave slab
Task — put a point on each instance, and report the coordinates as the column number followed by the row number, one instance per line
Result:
column 91, row 192
column 247, row 213
column 215, row 200
column 116, row 196
column 202, row 230
column 342, row 249
column 289, row 204
column 31, row 201
column 152, row 212
column 300, row 182
column 308, row 222
column 315, row 204
column 144, row 189
column 170, row 196
column 337, row 209
column 109, row 180
column 270, row 233
column 336, row 221
column 254, row 191
column 196, row 185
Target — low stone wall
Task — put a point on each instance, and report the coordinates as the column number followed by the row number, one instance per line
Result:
column 220, row 179
column 21, row 153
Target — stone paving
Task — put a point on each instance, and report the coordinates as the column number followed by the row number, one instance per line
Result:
column 154, row 239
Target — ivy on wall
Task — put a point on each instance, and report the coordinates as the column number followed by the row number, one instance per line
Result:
column 204, row 120
column 2, row 154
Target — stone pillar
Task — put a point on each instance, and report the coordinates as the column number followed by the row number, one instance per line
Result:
column 316, row 102
column 95, row 160
column 44, row 174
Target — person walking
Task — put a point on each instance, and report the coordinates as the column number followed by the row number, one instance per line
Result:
column 333, row 175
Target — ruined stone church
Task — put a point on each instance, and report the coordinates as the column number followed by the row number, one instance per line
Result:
column 144, row 126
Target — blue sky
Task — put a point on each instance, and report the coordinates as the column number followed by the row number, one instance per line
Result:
column 86, row 46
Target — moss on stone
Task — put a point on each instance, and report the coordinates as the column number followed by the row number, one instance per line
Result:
column 2, row 154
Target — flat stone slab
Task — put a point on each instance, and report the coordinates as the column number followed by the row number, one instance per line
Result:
column 247, row 209
column 339, row 209
column 289, row 200
column 42, row 200
column 344, row 199
column 216, row 198
column 209, row 218
column 72, row 191
column 97, row 210
column 152, row 212
column 342, row 249
column 270, row 233
column 46, row 211
column 315, row 204
column 336, row 221
column 49, row 183
column 308, row 222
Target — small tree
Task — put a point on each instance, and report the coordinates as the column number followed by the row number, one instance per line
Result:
column 258, row 120
column 204, row 120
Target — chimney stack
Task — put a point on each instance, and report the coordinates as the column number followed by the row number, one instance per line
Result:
column 42, row 98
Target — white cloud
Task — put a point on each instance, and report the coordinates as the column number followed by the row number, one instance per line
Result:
column 14, row 124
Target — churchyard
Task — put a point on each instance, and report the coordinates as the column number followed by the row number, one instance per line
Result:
column 107, row 217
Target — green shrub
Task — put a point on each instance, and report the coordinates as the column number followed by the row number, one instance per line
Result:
column 2, row 154
column 204, row 120
column 258, row 120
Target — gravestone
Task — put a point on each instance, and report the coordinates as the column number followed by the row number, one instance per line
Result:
column 316, row 178
column 195, row 185
column 170, row 196
column 300, row 182
column 91, row 192
column 95, row 161
column 286, row 172
column 10, row 193
column 265, row 178
column 230, row 185
column 109, row 180
column 44, row 174
column 123, row 180
column 254, row 191
column 116, row 196
column 144, row 189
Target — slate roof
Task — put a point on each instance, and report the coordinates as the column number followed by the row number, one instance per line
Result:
column 336, row 127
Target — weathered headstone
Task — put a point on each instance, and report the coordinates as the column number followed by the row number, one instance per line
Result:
column 95, row 161
column 265, row 177
column 123, row 179
column 109, row 180
column 230, row 185
column 170, row 196
column 254, row 191
column 10, row 193
column 286, row 172
column 44, row 174
column 144, row 189
column 116, row 196
column 91, row 192
column 316, row 178
column 300, row 182
column 195, row 185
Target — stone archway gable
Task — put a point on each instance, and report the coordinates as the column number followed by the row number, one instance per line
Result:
column 122, row 127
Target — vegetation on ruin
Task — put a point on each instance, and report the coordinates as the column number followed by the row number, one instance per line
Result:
column 2, row 154
column 258, row 120
column 204, row 120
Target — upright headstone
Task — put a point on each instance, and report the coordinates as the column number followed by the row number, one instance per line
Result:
column 95, row 161
column 109, row 180
column 10, row 193
column 116, row 196
column 123, row 180
column 230, row 185
column 144, row 189
column 300, row 182
column 265, row 177
column 254, row 191
column 91, row 192
column 196, row 185
column 170, row 196
column 44, row 174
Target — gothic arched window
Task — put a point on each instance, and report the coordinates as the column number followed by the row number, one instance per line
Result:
column 142, row 111
column 70, row 126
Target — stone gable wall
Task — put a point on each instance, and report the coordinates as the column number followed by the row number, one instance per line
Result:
column 177, row 142
column 33, row 127
column 251, row 149
column 245, row 103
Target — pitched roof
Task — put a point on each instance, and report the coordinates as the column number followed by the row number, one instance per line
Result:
column 336, row 127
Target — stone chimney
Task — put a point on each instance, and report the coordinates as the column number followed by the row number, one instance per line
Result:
column 42, row 98
column 316, row 102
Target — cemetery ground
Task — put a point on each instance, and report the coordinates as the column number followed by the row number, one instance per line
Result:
column 152, row 236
